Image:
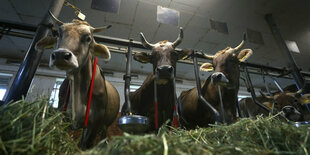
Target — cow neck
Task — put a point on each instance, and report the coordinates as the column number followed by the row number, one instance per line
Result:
column 226, row 91
column 80, row 80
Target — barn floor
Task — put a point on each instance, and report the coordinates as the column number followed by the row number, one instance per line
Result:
column 22, row 130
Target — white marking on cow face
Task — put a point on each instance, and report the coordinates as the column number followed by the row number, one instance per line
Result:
column 73, row 46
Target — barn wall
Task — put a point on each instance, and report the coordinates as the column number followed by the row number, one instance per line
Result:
column 45, row 79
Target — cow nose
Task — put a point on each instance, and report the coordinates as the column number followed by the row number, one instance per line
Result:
column 288, row 109
column 166, row 68
column 218, row 78
column 61, row 55
column 164, row 71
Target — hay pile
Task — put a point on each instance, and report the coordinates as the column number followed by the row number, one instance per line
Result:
column 260, row 136
column 23, row 131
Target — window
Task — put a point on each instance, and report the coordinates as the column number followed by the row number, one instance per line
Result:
column 5, row 79
column 134, row 87
column 55, row 92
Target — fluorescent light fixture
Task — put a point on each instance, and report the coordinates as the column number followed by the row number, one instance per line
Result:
column 292, row 46
column 168, row 16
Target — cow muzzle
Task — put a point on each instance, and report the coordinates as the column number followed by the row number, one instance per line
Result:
column 165, row 72
column 291, row 113
column 63, row 59
column 219, row 78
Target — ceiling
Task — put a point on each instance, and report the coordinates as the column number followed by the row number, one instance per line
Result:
column 136, row 16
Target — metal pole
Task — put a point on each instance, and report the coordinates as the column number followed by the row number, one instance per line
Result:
column 281, row 43
column 248, row 79
column 32, row 59
column 127, row 78
column 277, row 84
column 200, row 97
column 265, row 83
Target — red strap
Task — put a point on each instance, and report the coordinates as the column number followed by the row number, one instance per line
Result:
column 67, row 99
column 156, row 115
column 175, row 117
column 90, row 93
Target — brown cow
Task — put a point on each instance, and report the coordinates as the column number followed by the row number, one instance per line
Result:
column 163, row 58
column 292, row 105
column 225, row 64
column 75, row 53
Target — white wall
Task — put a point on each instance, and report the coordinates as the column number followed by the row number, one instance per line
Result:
column 45, row 79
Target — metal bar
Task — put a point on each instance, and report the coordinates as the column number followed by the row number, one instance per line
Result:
column 127, row 78
column 222, row 105
column 32, row 59
column 277, row 84
column 200, row 97
column 281, row 43
column 265, row 83
column 124, row 42
column 248, row 79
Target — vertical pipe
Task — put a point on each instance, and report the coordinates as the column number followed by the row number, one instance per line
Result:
column 281, row 43
column 200, row 97
column 127, row 77
column 222, row 105
column 32, row 59
column 265, row 82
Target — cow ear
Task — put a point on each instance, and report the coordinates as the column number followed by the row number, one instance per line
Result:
column 184, row 54
column 143, row 57
column 46, row 43
column 102, row 51
column 245, row 54
column 305, row 99
column 268, row 104
column 207, row 67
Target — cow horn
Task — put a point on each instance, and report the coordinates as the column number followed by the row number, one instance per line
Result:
column 265, row 96
column 241, row 44
column 58, row 22
column 210, row 57
column 179, row 39
column 99, row 29
column 145, row 43
column 300, row 91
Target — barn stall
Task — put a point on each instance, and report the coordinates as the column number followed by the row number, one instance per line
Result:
column 273, row 65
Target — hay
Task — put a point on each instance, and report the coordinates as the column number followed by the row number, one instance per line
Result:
column 23, row 131
column 247, row 136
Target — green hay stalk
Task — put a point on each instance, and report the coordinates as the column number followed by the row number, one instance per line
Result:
column 24, row 131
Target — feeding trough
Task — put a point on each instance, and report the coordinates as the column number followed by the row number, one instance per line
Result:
column 131, row 123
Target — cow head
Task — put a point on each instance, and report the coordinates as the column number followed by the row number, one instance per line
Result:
column 75, row 44
column 163, row 56
column 225, row 64
column 290, row 103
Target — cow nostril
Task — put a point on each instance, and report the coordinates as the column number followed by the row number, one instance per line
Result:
column 219, row 76
column 170, row 69
column 67, row 56
column 53, row 56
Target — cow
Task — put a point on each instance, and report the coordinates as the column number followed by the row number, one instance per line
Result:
column 225, row 64
column 163, row 58
column 75, row 52
column 292, row 104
